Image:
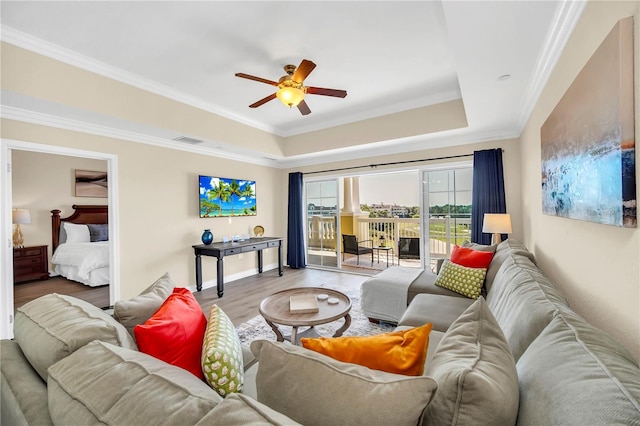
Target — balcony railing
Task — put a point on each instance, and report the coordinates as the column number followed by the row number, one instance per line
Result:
column 322, row 232
column 444, row 232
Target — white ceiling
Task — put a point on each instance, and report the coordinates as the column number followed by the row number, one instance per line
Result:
column 390, row 56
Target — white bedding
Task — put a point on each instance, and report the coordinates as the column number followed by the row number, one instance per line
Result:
column 83, row 262
column 97, row 277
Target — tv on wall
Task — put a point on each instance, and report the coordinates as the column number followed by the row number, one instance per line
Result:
column 223, row 197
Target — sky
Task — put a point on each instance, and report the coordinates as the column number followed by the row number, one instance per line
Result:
column 390, row 188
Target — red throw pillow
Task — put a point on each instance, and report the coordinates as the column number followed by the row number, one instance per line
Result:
column 471, row 258
column 175, row 332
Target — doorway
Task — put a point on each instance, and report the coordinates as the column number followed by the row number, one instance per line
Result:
column 6, row 203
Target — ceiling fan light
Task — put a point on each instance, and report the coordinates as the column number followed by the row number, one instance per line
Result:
column 290, row 96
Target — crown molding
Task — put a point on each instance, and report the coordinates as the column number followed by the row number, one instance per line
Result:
column 395, row 146
column 444, row 139
column 564, row 22
column 19, row 114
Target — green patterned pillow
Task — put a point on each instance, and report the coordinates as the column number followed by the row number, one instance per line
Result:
column 463, row 280
column 222, row 354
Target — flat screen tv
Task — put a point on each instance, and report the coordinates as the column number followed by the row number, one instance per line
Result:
column 223, row 197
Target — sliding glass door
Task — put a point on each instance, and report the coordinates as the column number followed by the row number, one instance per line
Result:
column 321, row 199
column 447, row 201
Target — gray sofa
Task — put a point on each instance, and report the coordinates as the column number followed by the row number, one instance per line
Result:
column 569, row 372
column 521, row 356
column 71, row 363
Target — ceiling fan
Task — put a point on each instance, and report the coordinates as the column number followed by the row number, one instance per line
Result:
column 290, row 89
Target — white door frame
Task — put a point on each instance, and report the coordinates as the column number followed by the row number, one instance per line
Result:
column 6, row 249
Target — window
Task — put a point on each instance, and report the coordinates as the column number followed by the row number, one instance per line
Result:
column 447, row 198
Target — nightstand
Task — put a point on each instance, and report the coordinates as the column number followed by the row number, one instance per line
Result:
column 30, row 263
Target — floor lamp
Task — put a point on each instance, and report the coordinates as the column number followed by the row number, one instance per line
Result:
column 496, row 224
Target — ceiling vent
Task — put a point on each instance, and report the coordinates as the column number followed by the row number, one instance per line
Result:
column 188, row 140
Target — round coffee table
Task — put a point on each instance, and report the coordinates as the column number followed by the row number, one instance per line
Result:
column 275, row 310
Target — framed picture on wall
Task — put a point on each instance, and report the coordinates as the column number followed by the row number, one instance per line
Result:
column 91, row 184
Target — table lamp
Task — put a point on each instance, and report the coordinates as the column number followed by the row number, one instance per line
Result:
column 496, row 224
column 19, row 216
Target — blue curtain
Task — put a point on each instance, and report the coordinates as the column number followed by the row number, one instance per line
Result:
column 295, row 230
column 488, row 191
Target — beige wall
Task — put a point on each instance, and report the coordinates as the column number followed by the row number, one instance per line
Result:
column 596, row 266
column 415, row 122
column 158, row 205
column 43, row 182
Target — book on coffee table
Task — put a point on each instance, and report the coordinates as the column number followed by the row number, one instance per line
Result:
column 303, row 304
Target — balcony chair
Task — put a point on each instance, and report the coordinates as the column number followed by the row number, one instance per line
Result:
column 351, row 245
column 409, row 248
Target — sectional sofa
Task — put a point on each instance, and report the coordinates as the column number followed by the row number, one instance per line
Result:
column 520, row 356
column 569, row 372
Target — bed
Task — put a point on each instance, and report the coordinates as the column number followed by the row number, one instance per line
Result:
column 80, row 245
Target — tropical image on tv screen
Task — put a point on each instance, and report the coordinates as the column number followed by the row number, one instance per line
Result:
column 222, row 197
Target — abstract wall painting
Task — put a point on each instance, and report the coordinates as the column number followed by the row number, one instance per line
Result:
column 222, row 197
column 588, row 140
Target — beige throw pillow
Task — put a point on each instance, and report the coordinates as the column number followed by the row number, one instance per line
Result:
column 136, row 311
column 54, row 326
column 475, row 371
column 314, row 389
column 101, row 384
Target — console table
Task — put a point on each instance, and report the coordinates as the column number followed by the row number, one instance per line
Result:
column 220, row 250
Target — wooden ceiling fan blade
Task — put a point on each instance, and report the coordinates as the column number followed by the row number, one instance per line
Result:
column 304, row 108
column 327, row 92
column 303, row 70
column 254, row 78
column 263, row 101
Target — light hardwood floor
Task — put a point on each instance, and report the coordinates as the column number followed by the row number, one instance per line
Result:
column 240, row 300
column 25, row 292
column 242, row 297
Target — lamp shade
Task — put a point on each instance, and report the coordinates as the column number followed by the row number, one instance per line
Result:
column 21, row 216
column 496, row 223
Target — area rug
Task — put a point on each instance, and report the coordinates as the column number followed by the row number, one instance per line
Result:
column 257, row 328
column 365, row 262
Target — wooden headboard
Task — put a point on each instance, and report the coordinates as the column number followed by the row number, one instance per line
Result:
column 81, row 214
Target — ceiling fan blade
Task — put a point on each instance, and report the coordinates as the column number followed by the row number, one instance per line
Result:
column 254, row 78
column 304, row 108
column 303, row 70
column 327, row 92
column 263, row 101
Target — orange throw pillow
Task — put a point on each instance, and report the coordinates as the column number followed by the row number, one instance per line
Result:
column 175, row 332
column 471, row 258
column 400, row 352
